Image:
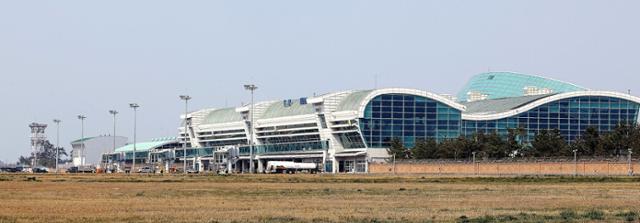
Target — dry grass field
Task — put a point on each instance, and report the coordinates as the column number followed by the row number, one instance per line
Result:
column 316, row 198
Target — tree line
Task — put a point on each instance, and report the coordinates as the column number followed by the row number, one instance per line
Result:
column 46, row 157
column 546, row 143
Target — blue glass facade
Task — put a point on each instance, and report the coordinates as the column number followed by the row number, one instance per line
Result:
column 571, row 116
column 408, row 117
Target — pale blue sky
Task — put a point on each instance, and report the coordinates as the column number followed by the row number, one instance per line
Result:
column 62, row 58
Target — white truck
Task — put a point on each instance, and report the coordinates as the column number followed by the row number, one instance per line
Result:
column 290, row 167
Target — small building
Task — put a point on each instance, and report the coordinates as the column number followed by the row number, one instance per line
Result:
column 88, row 151
column 158, row 153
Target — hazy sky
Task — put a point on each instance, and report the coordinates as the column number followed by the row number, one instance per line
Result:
column 62, row 58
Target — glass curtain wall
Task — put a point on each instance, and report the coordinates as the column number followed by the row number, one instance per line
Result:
column 408, row 117
column 571, row 116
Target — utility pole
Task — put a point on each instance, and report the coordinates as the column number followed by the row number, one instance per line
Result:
column 186, row 99
column 252, row 88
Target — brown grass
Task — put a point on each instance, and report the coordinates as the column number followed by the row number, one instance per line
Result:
column 305, row 198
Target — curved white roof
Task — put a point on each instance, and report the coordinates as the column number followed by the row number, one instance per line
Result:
column 546, row 100
column 354, row 103
column 361, row 104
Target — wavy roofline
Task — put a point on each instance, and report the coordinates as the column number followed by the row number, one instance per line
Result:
column 365, row 101
column 462, row 95
column 535, row 75
column 546, row 100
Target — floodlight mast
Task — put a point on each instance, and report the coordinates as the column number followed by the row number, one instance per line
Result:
column 135, row 107
column 57, row 121
column 114, row 113
column 252, row 88
column 186, row 99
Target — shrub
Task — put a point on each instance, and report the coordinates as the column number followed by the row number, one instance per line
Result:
column 507, row 218
column 630, row 216
column 568, row 215
column 6, row 219
column 485, row 219
column 594, row 215
column 463, row 219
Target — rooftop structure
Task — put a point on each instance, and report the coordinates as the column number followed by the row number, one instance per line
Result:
column 494, row 85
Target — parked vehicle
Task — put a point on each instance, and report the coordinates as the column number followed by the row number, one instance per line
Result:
column 81, row 169
column 146, row 169
column 40, row 169
column 290, row 167
column 8, row 169
column 73, row 169
column 23, row 169
column 191, row 170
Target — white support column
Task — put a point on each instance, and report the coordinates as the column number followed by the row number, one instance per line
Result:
column 324, row 162
column 335, row 164
column 366, row 164
column 260, row 166
column 197, row 160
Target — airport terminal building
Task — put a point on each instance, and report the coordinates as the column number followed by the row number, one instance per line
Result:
column 347, row 130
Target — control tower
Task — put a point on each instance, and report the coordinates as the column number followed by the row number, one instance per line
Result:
column 38, row 139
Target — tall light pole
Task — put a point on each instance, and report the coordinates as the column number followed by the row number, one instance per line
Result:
column 57, row 121
column 135, row 107
column 82, row 118
column 186, row 99
column 252, row 88
column 114, row 113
